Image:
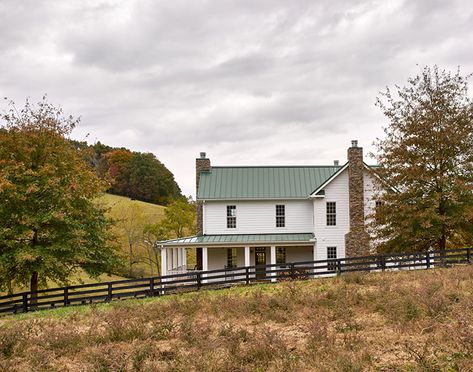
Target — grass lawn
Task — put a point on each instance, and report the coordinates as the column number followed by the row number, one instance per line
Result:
column 417, row 320
column 156, row 212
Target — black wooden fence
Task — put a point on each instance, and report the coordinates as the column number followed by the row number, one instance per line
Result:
column 195, row 280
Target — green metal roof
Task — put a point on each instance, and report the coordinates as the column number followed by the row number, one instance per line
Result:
column 266, row 182
column 240, row 238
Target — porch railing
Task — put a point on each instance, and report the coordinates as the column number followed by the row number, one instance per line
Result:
column 196, row 280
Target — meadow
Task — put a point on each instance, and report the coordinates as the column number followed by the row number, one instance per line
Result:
column 411, row 320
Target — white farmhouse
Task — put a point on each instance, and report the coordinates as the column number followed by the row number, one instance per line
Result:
column 255, row 215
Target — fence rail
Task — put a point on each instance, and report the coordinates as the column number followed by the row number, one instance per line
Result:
column 195, row 280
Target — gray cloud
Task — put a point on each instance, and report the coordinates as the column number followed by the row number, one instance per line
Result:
column 250, row 82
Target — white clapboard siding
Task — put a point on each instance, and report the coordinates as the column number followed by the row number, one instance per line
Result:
column 258, row 217
column 332, row 236
column 370, row 194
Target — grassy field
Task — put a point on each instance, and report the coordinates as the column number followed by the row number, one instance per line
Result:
column 152, row 211
column 384, row 321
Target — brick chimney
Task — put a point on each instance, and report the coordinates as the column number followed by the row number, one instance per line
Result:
column 202, row 164
column 357, row 239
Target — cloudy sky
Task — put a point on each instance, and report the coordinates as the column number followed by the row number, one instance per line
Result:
column 249, row 82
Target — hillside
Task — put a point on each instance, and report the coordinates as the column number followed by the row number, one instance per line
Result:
column 131, row 217
column 388, row 321
column 153, row 211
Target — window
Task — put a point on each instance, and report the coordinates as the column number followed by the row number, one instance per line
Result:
column 231, row 216
column 231, row 258
column 280, row 215
column 331, row 213
column 331, row 254
column 280, row 255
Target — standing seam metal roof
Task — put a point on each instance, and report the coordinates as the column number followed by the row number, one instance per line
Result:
column 241, row 238
column 263, row 182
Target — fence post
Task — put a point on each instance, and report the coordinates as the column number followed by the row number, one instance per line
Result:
column 382, row 262
column 25, row 302
column 247, row 274
column 199, row 281
column 66, row 296
column 151, row 286
column 110, row 293
column 468, row 255
column 293, row 271
column 427, row 259
column 339, row 266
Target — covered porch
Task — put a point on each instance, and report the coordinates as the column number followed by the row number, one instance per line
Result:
column 219, row 252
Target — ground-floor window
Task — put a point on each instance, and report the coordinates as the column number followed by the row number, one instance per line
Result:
column 280, row 255
column 331, row 254
column 231, row 257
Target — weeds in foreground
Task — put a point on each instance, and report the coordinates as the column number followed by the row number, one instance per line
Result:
column 355, row 322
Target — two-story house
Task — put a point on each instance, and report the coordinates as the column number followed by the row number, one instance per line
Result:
column 254, row 215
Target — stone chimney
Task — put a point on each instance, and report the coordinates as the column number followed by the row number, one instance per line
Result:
column 357, row 239
column 202, row 164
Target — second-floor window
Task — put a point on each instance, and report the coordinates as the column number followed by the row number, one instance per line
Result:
column 331, row 213
column 280, row 215
column 231, row 216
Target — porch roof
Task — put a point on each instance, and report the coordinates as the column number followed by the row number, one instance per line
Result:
column 240, row 239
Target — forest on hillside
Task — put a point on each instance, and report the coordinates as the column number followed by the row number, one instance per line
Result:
column 133, row 174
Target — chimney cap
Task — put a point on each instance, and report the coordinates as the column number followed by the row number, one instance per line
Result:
column 203, row 155
column 336, row 163
column 354, row 143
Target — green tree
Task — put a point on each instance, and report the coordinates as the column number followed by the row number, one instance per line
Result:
column 50, row 226
column 426, row 158
column 179, row 218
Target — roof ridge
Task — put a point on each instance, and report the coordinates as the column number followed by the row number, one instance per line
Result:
column 277, row 166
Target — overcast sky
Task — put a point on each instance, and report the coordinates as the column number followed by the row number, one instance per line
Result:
column 249, row 82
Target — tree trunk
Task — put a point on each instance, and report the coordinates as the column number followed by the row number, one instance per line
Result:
column 34, row 289
column 131, row 257
column 150, row 260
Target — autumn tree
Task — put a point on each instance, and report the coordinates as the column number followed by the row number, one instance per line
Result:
column 426, row 162
column 50, row 226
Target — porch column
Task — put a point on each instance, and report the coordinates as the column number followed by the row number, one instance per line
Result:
column 184, row 258
column 273, row 261
column 247, row 257
column 169, row 259
column 205, row 262
column 164, row 261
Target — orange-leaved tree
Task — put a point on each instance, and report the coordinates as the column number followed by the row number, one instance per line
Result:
column 50, row 225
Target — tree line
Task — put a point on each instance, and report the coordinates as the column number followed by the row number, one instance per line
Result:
column 136, row 175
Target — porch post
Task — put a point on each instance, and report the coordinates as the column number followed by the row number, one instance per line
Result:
column 169, row 253
column 164, row 261
column 273, row 261
column 205, row 262
column 247, row 257
column 184, row 258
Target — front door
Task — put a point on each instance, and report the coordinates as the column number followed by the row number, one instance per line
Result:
column 260, row 262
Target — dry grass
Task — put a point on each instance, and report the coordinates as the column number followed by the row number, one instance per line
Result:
column 388, row 321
